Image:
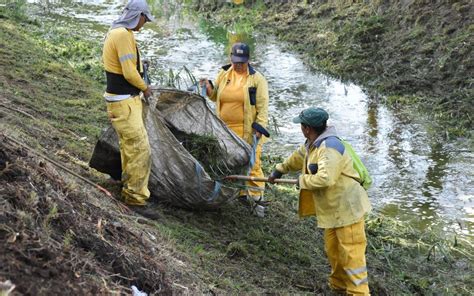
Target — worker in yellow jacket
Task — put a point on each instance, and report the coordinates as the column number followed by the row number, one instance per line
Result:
column 241, row 96
column 330, row 190
column 125, row 86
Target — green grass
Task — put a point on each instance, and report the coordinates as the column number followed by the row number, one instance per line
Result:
column 236, row 251
column 39, row 80
column 230, row 250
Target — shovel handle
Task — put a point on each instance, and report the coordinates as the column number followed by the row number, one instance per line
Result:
column 258, row 179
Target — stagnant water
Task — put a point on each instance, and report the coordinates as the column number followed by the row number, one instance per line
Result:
column 416, row 178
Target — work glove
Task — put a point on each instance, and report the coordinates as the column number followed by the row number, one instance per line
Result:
column 205, row 87
column 274, row 175
column 147, row 97
column 260, row 130
column 150, row 102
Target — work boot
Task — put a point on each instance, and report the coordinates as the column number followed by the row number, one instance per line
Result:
column 145, row 211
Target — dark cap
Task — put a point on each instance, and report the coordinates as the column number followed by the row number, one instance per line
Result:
column 314, row 117
column 240, row 53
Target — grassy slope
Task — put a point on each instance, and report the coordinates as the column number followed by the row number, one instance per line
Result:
column 37, row 80
column 223, row 251
column 418, row 53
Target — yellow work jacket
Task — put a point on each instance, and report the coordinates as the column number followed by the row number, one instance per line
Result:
column 255, row 99
column 329, row 187
column 120, row 56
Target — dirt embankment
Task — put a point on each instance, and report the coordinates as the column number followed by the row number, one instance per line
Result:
column 60, row 238
column 416, row 52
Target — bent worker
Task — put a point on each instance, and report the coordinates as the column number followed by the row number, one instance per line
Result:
column 330, row 189
column 241, row 96
column 125, row 84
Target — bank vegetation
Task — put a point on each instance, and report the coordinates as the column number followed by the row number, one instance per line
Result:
column 59, row 235
column 416, row 55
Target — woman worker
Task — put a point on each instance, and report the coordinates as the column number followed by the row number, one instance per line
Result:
column 241, row 97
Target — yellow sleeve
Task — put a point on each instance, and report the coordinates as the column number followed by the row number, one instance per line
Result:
column 262, row 101
column 213, row 95
column 127, row 55
column 330, row 165
column 294, row 162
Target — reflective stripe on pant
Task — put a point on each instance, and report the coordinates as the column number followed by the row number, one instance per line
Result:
column 127, row 119
column 345, row 248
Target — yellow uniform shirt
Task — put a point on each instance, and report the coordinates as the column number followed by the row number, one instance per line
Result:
column 256, row 111
column 120, row 56
column 232, row 102
column 328, row 185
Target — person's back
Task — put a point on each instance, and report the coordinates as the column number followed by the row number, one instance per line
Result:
column 117, row 39
column 122, row 63
column 122, row 66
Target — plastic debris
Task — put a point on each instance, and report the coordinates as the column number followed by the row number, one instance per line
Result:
column 6, row 287
column 136, row 292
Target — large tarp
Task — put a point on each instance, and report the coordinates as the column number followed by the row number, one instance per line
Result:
column 176, row 176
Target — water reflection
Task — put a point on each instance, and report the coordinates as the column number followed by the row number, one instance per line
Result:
column 372, row 124
column 436, row 172
column 217, row 34
column 416, row 178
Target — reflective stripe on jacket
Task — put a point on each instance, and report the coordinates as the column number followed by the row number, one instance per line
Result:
column 328, row 187
column 120, row 56
column 255, row 105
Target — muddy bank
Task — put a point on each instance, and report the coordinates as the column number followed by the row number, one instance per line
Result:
column 418, row 53
column 56, row 239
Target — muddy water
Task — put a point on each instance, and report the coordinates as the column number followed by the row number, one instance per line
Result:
column 416, row 178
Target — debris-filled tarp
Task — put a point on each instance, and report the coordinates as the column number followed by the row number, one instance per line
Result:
column 191, row 150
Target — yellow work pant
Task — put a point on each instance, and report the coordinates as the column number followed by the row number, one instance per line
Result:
column 253, row 189
column 345, row 248
column 127, row 119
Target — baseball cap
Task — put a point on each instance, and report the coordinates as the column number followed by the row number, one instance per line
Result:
column 142, row 6
column 240, row 53
column 312, row 116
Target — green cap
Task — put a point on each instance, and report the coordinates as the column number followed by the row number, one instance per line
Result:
column 314, row 117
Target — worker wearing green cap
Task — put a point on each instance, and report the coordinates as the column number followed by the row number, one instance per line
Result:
column 330, row 190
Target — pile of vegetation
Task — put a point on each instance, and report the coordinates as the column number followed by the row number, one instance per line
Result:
column 59, row 235
column 206, row 150
column 416, row 53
